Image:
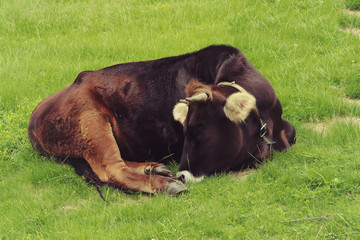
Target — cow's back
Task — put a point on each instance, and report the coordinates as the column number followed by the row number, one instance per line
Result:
column 139, row 97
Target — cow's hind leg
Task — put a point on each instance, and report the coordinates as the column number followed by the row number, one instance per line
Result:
column 103, row 155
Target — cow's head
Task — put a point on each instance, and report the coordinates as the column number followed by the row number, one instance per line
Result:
column 221, row 128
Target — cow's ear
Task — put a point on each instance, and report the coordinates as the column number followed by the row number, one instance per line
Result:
column 180, row 111
column 238, row 106
column 231, row 68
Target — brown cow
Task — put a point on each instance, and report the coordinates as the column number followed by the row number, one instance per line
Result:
column 110, row 122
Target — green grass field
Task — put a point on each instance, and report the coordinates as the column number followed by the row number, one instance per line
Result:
column 302, row 47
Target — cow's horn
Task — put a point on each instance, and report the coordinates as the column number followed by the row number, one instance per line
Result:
column 232, row 84
column 201, row 97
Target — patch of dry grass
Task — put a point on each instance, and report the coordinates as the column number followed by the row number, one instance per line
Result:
column 351, row 29
column 243, row 175
column 323, row 127
column 351, row 12
column 355, row 31
column 352, row 101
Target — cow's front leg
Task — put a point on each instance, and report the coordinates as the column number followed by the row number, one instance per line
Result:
column 111, row 169
column 150, row 168
column 100, row 150
column 120, row 175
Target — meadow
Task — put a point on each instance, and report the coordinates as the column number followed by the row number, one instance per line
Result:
column 304, row 48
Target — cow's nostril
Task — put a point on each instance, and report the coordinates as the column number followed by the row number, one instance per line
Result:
column 181, row 178
column 186, row 176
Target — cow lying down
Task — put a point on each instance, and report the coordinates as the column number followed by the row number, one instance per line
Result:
column 210, row 110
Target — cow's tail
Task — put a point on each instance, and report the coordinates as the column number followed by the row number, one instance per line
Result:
column 83, row 169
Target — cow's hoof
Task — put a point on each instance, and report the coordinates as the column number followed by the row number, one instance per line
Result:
column 176, row 188
column 159, row 170
column 163, row 170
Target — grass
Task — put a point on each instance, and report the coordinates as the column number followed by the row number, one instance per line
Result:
column 353, row 4
column 300, row 46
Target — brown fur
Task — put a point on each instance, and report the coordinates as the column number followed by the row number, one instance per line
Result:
column 195, row 87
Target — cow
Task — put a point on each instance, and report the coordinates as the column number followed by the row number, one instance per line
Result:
column 209, row 110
